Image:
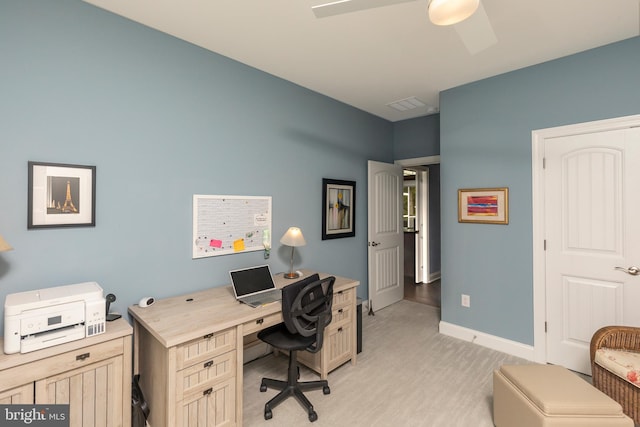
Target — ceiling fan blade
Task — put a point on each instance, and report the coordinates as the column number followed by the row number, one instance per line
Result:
column 324, row 8
column 476, row 31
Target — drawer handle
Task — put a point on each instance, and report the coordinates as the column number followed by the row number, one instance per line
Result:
column 259, row 321
column 206, row 337
column 208, row 364
column 207, row 391
column 340, row 311
column 340, row 329
column 82, row 356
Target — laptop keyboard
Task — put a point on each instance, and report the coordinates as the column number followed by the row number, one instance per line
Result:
column 263, row 298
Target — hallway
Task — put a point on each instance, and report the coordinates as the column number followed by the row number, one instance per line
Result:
column 424, row 293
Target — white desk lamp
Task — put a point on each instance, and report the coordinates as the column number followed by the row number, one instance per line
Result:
column 293, row 237
column 4, row 246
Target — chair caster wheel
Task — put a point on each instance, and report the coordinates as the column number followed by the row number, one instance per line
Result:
column 268, row 414
column 263, row 388
column 313, row 416
column 326, row 390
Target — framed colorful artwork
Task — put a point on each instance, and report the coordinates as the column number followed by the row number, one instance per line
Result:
column 483, row 205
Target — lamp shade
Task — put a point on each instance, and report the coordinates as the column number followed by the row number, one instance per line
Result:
column 293, row 237
column 4, row 246
column 449, row 12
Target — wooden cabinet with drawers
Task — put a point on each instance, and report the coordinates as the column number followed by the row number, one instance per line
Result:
column 189, row 351
column 339, row 336
column 190, row 384
column 92, row 375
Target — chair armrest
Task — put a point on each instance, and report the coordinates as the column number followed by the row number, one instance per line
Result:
column 615, row 337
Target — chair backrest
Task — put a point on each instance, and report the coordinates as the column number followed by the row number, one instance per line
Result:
column 306, row 307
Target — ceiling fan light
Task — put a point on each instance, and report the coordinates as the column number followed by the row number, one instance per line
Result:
column 449, row 12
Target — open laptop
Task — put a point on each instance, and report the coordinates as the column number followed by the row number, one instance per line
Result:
column 254, row 286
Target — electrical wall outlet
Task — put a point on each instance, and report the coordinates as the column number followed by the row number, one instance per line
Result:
column 465, row 300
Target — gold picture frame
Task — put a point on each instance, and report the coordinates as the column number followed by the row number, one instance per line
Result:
column 483, row 205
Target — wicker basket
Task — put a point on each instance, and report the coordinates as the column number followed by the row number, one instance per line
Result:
column 620, row 338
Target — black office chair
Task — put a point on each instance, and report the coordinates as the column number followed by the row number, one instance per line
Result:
column 306, row 310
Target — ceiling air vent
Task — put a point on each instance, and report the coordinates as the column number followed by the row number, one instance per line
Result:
column 406, row 104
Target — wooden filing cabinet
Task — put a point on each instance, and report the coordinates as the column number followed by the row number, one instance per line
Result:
column 339, row 336
column 92, row 375
column 191, row 384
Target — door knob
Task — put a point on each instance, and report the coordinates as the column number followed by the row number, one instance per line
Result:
column 374, row 244
column 634, row 271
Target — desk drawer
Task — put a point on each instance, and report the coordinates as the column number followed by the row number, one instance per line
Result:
column 59, row 363
column 343, row 298
column 212, row 406
column 336, row 350
column 261, row 323
column 205, row 348
column 340, row 345
column 340, row 315
column 207, row 373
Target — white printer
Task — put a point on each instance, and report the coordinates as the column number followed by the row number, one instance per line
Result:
column 46, row 317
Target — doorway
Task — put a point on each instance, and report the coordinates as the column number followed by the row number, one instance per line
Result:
column 421, row 226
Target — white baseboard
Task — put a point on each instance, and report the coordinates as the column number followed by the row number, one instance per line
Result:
column 503, row 345
column 434, row 276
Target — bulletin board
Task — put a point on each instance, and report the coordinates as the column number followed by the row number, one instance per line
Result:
column 225, row 225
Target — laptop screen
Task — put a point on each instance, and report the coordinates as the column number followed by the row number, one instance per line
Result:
column 248, row 281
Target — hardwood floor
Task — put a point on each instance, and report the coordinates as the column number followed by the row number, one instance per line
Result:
column 424, row 293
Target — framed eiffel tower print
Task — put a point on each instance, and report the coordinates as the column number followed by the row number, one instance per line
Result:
column 61, row 195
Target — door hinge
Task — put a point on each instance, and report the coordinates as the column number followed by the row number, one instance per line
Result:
column 545, row 327
column 544, row 163
column 545, row 244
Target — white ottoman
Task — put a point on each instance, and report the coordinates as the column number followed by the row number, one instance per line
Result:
column 551, row 396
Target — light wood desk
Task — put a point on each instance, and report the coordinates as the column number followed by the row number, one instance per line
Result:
column 188, row 351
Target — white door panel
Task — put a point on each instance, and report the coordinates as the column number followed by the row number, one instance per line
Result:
column 422, row 266
column 386, row 237
column 591, row 187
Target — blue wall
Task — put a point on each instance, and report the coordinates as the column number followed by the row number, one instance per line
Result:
column 162, row 120
column 419, row 137
column 486, row 142
column 416, row 138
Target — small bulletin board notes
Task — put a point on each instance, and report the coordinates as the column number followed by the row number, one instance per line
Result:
column 225, row 225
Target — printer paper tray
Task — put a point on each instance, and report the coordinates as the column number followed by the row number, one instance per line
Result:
column 48, row 339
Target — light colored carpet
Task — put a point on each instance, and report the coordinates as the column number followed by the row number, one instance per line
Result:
column 406, row 375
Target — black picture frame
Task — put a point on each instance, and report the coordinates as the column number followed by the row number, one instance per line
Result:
column 338, row 208
column 61, row 195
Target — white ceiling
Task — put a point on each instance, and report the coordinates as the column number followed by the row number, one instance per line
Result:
column 370, row 58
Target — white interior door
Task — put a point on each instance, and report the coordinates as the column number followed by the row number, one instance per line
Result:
column 592, row 229
column 423, row 269
column 386, row 236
